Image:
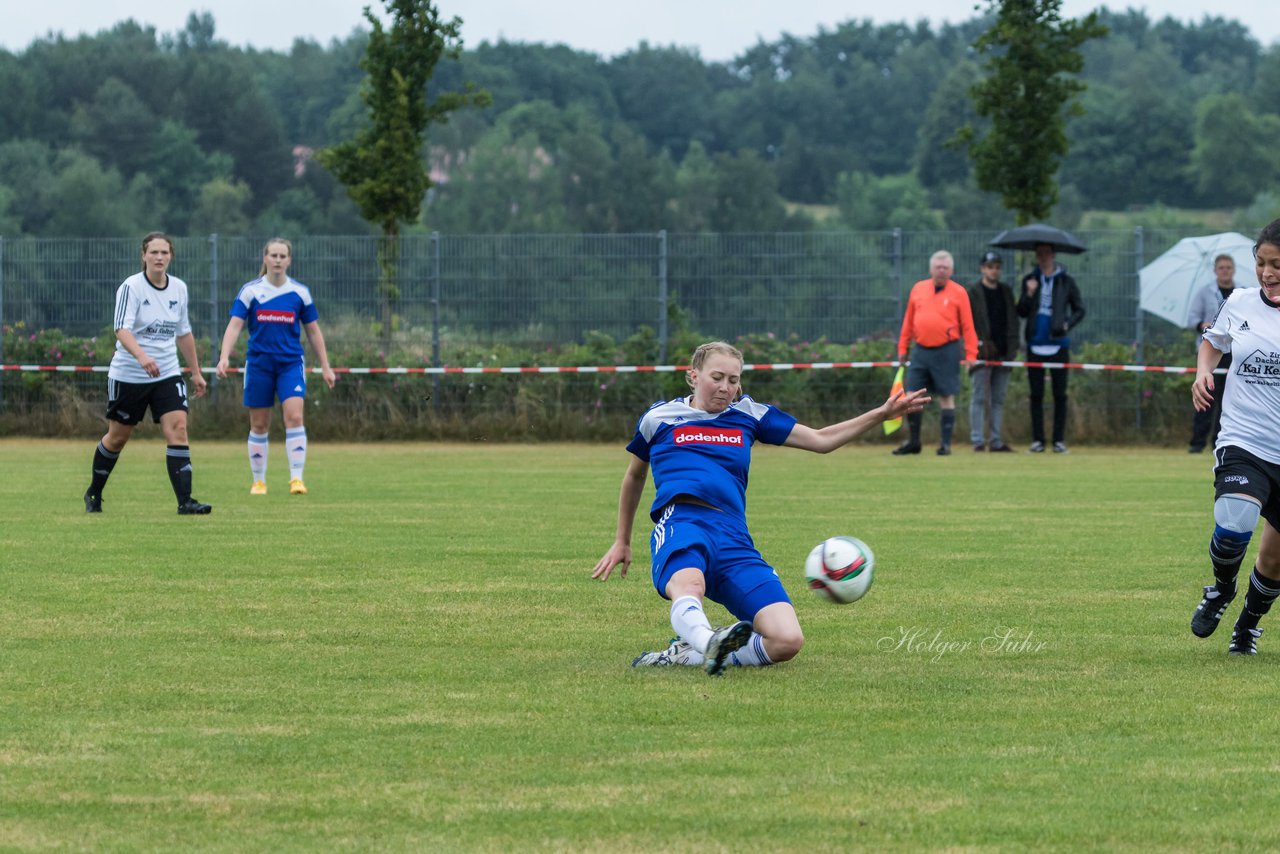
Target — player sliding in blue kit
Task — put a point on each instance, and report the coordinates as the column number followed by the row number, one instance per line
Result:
column 277, row 309
column 700, row 450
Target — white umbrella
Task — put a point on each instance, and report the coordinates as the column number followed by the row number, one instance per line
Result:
column 1168, row 283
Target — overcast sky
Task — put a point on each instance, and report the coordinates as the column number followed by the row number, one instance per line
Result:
column 719, row 29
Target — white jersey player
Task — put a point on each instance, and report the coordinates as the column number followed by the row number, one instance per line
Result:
column 1247, row 455
column 151, row 325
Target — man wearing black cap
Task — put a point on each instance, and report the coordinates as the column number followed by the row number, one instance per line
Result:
column 995, row 317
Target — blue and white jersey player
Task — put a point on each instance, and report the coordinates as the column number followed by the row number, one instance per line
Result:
column 277, row 310
column 699, row 448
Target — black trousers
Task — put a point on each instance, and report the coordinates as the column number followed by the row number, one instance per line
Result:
column 1204, row 425
column 1058, row 380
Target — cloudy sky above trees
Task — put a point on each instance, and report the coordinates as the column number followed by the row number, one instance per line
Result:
column 718, row 29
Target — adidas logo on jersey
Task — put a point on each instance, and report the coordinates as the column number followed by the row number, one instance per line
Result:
column 297, row 388
column 146, row 302
column 1244, row 327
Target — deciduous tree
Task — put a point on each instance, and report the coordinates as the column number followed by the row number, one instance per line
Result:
column 1033, row 57
column 383, row 167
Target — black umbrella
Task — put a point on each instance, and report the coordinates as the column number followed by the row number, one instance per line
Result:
column 1031, row 236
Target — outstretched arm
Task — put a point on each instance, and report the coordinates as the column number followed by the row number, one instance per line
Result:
column 628, row 500
column 829, row 438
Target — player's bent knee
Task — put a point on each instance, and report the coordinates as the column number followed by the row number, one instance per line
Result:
column 1236, row 516
column 784, row 645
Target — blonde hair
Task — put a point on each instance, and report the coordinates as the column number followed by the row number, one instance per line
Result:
column 704, row 351
column 282, row 241
column 158, row 235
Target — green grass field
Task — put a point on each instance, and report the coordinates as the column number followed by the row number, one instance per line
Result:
column 413, row 658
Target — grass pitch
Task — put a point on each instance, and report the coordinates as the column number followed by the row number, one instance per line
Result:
column 413, row 657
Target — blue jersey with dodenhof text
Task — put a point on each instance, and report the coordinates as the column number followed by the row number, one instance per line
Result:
column 275, row 315
column 704, row 455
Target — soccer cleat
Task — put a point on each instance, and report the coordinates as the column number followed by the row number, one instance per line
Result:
column 297, row 487
column 258, row 488
column 944, row 450
column 724, row 642
column 679, row 653
column 1060, row 448
column 1244, row 641
column 907, row 447
column 1001, row 449
column 192, row 507
column 92, row 503
column 1208, row 613
column 1036, row 448
column 980, row 448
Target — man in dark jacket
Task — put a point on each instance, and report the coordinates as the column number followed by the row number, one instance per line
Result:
column 995, row 318
column 1052, row 305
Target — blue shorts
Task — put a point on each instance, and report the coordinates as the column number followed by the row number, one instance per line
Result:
column 269, row 377
column 737, row 577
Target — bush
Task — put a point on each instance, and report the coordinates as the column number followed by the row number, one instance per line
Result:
column 1106, row 406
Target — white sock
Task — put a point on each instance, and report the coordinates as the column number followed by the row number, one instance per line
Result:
column 691, row 623
column 258, row 456
column 752, row 654
column 296, row 444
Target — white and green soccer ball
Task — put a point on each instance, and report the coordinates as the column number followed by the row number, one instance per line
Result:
column 840, row 569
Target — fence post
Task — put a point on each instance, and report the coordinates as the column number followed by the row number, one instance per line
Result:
column 214, row 338
column 1137, row 323
column 435, row 318
column 662, row 297
column 2, row 373
column 897, row 270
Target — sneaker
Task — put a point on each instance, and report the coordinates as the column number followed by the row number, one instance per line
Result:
column 907, row 447
column 1060, row 448
column 1001, row 449
column 258, row 488
column 192, row 507
column 679, row 653
column 724, row 642
column 944, row 450
column 1244, row 641
column 977, row 449
column 1208, row 613
column 1036, row 448
column 92, row 503
column 297, row 487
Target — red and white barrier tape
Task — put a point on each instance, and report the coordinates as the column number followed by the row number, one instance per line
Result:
column 640, row 369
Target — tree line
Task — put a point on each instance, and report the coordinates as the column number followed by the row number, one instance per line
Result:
column 853, row 127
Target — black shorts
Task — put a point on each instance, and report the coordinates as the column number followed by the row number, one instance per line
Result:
column 935, row 368
column 1240, row 472
column 127, row 402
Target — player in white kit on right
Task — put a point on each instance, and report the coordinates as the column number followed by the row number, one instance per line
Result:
column 1247, row 454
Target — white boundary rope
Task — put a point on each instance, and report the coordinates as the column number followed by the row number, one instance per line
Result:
column 641, row 369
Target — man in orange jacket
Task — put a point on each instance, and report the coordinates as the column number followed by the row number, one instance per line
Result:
column 940, row 322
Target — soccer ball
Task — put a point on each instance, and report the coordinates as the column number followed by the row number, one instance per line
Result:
column 840, row 569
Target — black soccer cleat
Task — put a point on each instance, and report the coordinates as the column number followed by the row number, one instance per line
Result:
column 724, row 643
column 191, row 507
column 1244, row 641
column 1209, row 612
column 907, row 447
column 92, row 503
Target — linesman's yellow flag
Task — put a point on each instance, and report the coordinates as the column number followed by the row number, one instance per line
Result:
column 894, row 423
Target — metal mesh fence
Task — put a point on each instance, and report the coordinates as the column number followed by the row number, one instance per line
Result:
column 527, row 293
